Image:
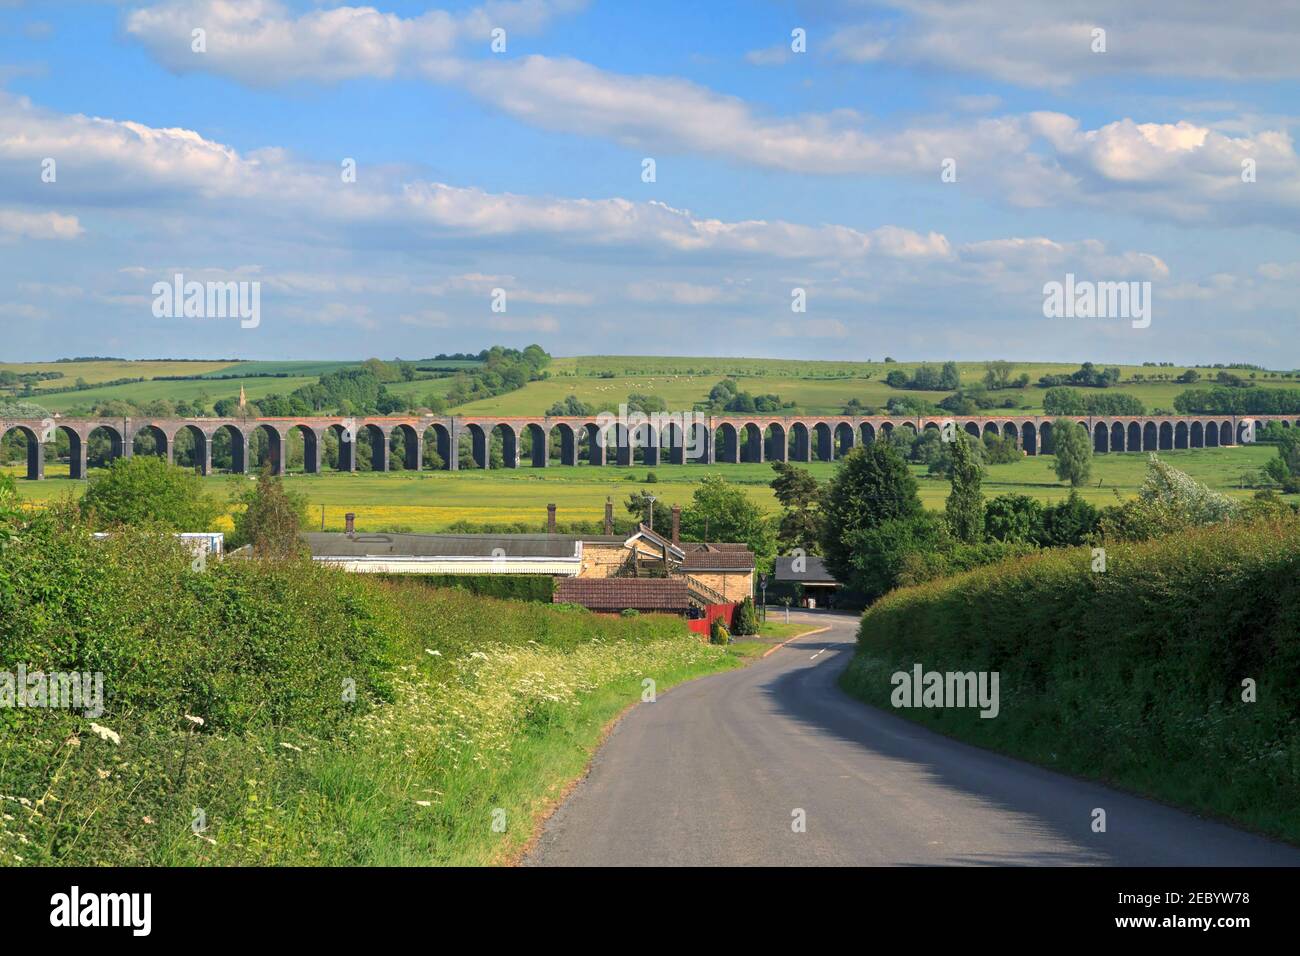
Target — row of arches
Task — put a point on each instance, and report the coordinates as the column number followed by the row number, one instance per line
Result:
column 370, row 447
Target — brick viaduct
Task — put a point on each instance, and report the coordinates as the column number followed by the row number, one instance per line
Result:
column 707, row 439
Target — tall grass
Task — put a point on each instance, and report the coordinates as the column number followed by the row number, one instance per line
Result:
column 467, row 715
column 1135, row 675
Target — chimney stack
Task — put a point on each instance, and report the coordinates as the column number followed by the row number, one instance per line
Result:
column 550, row 519
column 677, row 525
column 350, row 523
column 609, row 516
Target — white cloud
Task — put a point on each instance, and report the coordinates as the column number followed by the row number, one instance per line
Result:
column 16, row 224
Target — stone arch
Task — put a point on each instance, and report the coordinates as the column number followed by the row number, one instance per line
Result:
column 1180, row 435
column 843, row 437
column 339, row 442
column 1010, row 432
column 1225, row 433
column 699, row 443
column 229, row 450
column 800, row 442
column 1117, row 436
column 539, row 444
column 563, row 440
column 1100, row 438
column 751, row 443
column 727, row 440
column 990, row 428
column 34, row 451
column 1029, row 438
column 1150, row 437
column 192, row 449
column 868, row 433
column 404, row 447
column 437, row 448
column 673, row 437
column 151, row 440
column 972, row 429
column 104, row 445
column 266, row 447
column 1166, row 439
column 1211, row 434
column 1045, row 438
column 480, row 450
column 304, row 435
column 778, row 442
column 824, row 441
column 505, row 436
column 1134, row 436
column 1243, row 428
column 1196, row 435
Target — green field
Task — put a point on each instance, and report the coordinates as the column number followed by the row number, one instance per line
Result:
column 820, row 388
column 432, row 501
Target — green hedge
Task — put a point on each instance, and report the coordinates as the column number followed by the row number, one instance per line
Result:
column 513, row 587
column 1133, row 675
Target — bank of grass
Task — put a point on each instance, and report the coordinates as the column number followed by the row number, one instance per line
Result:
column 291, row 715
column 1133, row 676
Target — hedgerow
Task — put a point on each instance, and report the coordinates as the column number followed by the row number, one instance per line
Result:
column 1133, row 674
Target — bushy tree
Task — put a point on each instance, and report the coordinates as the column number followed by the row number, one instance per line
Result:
column 745, row 623
column 721, row 511
column 147, row 490
column 800, row 496
column 271, row 518
column 1014, row 518
column 1168, row 501
column 1069, row 523
column 718, row 632
column 872, row 486
column 1072, row 447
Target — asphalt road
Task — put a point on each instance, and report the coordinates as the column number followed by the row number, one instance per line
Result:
column 714, row 771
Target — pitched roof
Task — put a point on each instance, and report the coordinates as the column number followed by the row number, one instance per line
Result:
column 814, row 571
column 617, row 594
column 713, row 558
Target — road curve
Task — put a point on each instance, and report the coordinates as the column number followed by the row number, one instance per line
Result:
column 714, row 771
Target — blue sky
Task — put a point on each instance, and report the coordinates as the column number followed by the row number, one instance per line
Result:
column 775, row 170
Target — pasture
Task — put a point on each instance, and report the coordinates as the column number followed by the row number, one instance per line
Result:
column 433, row 501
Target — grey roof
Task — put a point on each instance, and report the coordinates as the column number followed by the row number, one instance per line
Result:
column 340, row 545
column 814, row 571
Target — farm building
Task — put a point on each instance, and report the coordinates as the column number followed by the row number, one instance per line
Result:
column 644, row 571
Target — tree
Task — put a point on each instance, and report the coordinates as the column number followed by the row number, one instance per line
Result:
column 872, row 485
column 745, row 623
column 801, row 498
column 10, row 513
column 1013, row 518
column 146, row 490
column 1072, row 447
column 1069, row 523
column 270, row 519
column 721, row 511
column 638, row 506
column 965, row 508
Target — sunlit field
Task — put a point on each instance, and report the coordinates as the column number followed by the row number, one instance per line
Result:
column 433, row 501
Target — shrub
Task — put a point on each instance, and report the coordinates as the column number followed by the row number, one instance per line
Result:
column 146, row 490
column 514, row 587
column 745, row 623
column 718, row 632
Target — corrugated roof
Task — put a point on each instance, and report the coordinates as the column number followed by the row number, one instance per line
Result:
column 339, row 545
column 617, row 594
column 814, row 571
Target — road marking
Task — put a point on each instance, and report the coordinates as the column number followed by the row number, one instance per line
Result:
column 818, row 654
